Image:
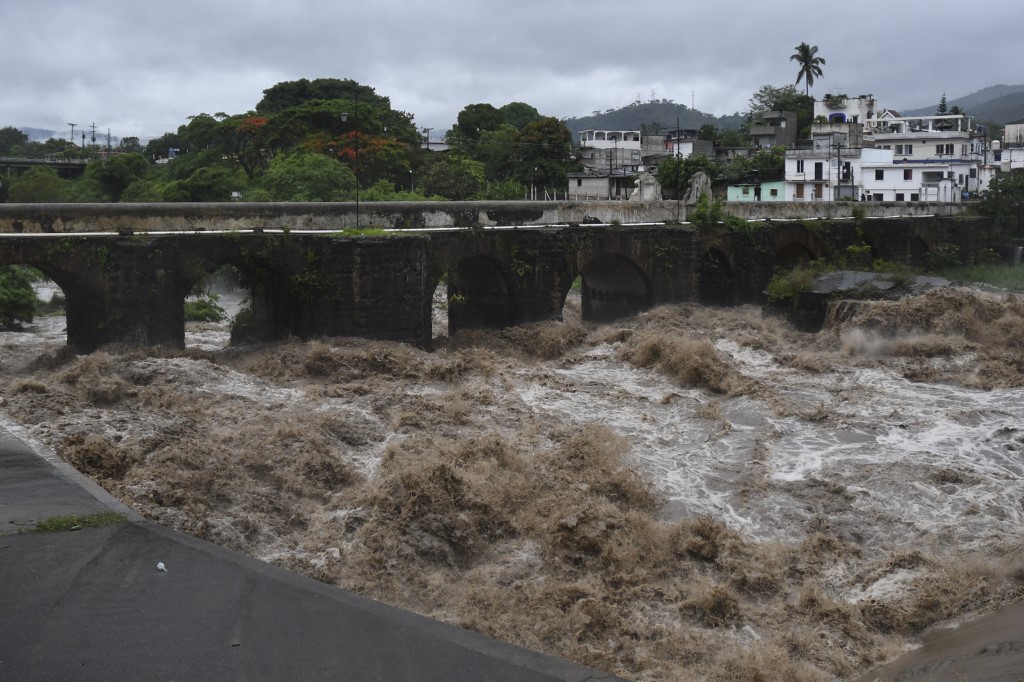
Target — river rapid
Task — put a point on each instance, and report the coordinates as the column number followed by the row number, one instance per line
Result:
column 689, row 494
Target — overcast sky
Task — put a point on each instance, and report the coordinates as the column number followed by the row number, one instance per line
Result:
column 141, row 68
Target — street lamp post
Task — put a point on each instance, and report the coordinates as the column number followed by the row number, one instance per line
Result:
column 344, row 118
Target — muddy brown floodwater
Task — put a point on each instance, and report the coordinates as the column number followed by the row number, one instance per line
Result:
column 688, row 494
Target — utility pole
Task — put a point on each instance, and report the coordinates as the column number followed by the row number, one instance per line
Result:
column 72, row 132
column 678, row 169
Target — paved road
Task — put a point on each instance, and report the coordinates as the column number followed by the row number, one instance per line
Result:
column 91, row 605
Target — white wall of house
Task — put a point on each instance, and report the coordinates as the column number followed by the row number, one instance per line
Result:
column 1013, row 134
column 860, row 109
column 607, row 139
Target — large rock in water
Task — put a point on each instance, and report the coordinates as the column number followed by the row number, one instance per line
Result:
column 835, row 296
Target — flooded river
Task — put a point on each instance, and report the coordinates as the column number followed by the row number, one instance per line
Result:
column 691, row 493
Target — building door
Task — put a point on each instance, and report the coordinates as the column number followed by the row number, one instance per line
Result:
column 818, row 191
column 819, row 170
column 800, row 191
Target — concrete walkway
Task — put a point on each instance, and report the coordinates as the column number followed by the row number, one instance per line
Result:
column 90, row 604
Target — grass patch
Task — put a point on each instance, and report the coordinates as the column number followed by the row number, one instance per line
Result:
column 1002, row 276
column 361, row 232
column 57, row 524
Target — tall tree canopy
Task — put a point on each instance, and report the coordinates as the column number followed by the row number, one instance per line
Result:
column 810, row 65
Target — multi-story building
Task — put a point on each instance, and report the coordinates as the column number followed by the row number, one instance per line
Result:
column 774, row 128
column 859, row 153
column 611, row 150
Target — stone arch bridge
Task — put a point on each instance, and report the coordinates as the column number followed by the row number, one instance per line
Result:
column 130, row 288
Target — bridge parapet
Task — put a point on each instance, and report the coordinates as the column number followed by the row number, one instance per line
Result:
column 399, row 215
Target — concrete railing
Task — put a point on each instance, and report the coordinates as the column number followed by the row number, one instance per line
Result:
column 330, row 217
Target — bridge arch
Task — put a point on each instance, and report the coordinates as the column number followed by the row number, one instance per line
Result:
column 612, row 287
column 478, row 295
column 83, row 303
column 917, row 251
column 792, row 255
column 716, row 278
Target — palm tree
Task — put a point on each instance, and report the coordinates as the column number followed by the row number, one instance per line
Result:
column 810, row 65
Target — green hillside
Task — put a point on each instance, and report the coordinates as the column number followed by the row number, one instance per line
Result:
column 659, row 113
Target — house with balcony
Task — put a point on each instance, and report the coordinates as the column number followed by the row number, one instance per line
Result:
column 948, row 149
column 845, row 109
column 859, row 151
column 611, row 150
column 610, row 159
column 827, row 167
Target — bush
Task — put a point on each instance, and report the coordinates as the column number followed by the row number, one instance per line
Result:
column 18, row 300
column 943, row 257
column 788, row 285
column 204, row 309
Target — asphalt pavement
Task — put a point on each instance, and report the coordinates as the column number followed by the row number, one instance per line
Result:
column 91, row 604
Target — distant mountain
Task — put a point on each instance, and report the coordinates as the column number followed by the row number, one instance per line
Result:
column 38, row 134
column 997, row 104
column 663, row 113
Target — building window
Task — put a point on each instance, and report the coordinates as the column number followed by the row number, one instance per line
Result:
column 908, row 173
column 879, row 174
column 915, row 197
column 746, row 191
column 946, row 149
column 899, row 196
column 878, row 197
column 974, row 172
column 775, row 192
column 800, row 166
column 579, row 182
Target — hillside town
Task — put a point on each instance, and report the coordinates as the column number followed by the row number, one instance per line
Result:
column 857, row 151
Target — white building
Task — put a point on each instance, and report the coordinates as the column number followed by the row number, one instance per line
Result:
column 859, row 153
column 611, row 151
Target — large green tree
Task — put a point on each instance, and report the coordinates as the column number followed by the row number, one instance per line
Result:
column 308, row 177
column 786, row 98
column 545, row 149
column 806, row 56
column 1003, row 200
column 453, row 177
column 10, row 138
column 36, row 186
column 476, row 119
column 519, row 114
column 113, row 175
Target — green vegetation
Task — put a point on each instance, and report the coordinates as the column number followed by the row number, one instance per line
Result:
column 362, row 232
column 56, row 524
column 204, row 309
column 320, row 140
column 810, row 64
column 1004, row 199
column 18, row 301
column 786, row 286
column 1001, row 276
